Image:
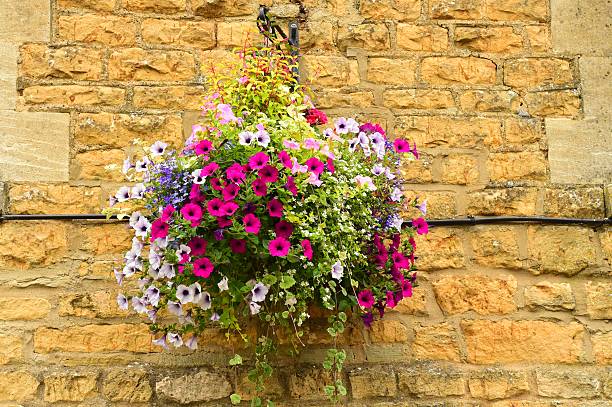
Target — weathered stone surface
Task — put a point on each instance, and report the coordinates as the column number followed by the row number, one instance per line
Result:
column 223, row 8
column 73, row 95
column 29, row 154
column 422, row 37
column 605, row 237
column 99, row 29
column 198, row 34
column 572, row 35
column 9, row 53
column 496, row 247
column 18, row 308
column 389, row 71
column 550, row 296
column 53, row 198
column 107, row 239
column 332, row 98
column 372, row 382
column 599, row 299
column 94, row 338
column 97, row 304
column 460, row 169
column 531, row 73
column 556, row 103
column 399, row 10
column 451, row 132
column 526, row 10
column 489, row 101
column 417, row 171
column 70, row 387
column 456, row 9
column 418, row 99
column 274, row 387
column 331, row 70
column 388, row 331
column 126, row 384
column 521, row 166
column 91, row 165
column 318, row 35
column 567, row 383
column 236, row 33
column 415, row 305
column 25, row 21
column 373, row 37
column 539, row 38
column 201, row 386
column 489, row 39
column 431, row 381
column 169, row 97
column 479, row 293
column 102, row 5
column 509, row 341
column 17, row 386
column 11, row 349
column 492, row 384
column 40, row 243
column 596, row 88
column 511, row 201
column 41, row 62
column 458, row 71
column 602, row 347
column 136, row 64
column 440, row 204
column 520, row 131
column 441, row 248
column 574, row 202
column 436, row 342
column 92, row 130
column 309, row 383
column 548, row 249
column 168, row 6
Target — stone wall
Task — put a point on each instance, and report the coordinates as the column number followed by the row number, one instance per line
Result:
column 507, row 99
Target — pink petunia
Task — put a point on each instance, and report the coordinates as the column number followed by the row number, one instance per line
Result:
column 283, row 229
column 391, row 303
column 238, row 245
column 291, row 145
column 217, row 184
column 279, row 247
column 315, row 165
column 204, row 147
column 421, row 226
column 400, row 260
column 159, row 229
column 311, row 144
column 224, row 222
column 285, row 159
column 230, row 192
column 407, row 288
column 258, row 160
column 214, row 207
column 235, row 173
column 275, row 208
column 251, row 223
column 330, row 165
column 167, row 213
column 229, row 208
column 307, row 248
column 192, row 212
column 198, row 246
column 365, row 298
column 196, row 194
column 290, row 185
column 401, row 145
column 268, row 174
column 209, row 169
column 203, row 267
column 259, row 187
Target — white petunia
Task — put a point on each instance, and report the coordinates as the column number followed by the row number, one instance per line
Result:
column 161, row 342
column 175, row 308
column 139, row 305
column 378, row 169
column 137, row 191
column 167, row 271
column 215, row 317
column 396, row 195
column 196, row 292
column 246, row 138
column 123, row 194
column 152, row 295
column 197, row 177
column 337, row 271
column 142, row 227
column 205, row 301
column 158, row 148
column 122, row 302
column 142, row 165
column 255, row 308
column 174, row 339
column 192, row 343
column 223, row 284
column 184, row 294
column 259, row 292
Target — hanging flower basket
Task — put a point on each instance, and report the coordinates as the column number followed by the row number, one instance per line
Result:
column 266, row 211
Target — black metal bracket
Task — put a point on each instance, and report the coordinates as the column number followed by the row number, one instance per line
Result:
column 271, row 30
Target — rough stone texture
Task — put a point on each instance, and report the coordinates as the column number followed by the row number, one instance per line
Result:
column 516, row 10
column 440, row 249
column 509, row 341
column 521, row 166
column 169, row 6
column 575, row 35
column 24, row 146
column 188, row 388
column 331, row 70
column 102, row 5
column 440, row 204
column 460, row 169
column 455, row 70
column 391, row 71
column 17, row 386
column 418, row 99
column 415, row 305
column 422, row 38
column 436, row 342
column 72, row 95
column 73, row 387
column 574, row 202
column 492, row 384
column 223, row 8
column 53, row 198
column 599, row 299
column 554, row 103
column 388, row 331
column 136, row 64
column 431, row 381
column 478, row 293
column 367, row 383
column 567, row 383
column 308, row 383
column 97, row 304
column 179, row 33
column 512, row 201
column 400, row 10
column 97, row 29
column 168, row 97
column 491, row 39
column 496, row 247
column 41, row 244
column 129, row 385
column 550, row 296
column 456, row 10
column 547, row 249
column 236, row 34
column 522, row 131
column 331, row 98
column 91, row 165
column 373, row 37
column 601, row 347
column 11, row 349
column 533, row 73
column 489, row 101
column 40, row 62
column 106, row 239
column 27, row 309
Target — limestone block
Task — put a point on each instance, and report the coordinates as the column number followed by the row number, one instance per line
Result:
column 22, row 21
column 573, row 23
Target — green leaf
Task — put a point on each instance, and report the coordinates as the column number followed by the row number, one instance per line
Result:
column 269, row 280
column 287, row 282
column 236, row 360
column 235, row 399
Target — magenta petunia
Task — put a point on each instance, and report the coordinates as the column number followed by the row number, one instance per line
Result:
column 192, row 212
column 258, row 160
column 279, row 247
column 159, row 229
column 215, row 206
column 401, row 145
column 224, row 221
column 203, row 267
column 251, row 223
column 204, row 147
column 421, row 226
column 407, row 288
column 283, row 229
column 365, row 298
column 259, row 187
column 285, row 159
column 217, row 184
column 391, row 303
column 198, row 246
column 330, row 165
column 268, row 174
column 290, row 185
column 381, row 259
column 400, row 260
column 209, row 169
column 235, row 173
column 167, row 213
column 230, row 192
column 307, row 248
column 229, row 208
column 238, row 245
column 275, row 208
column 315, row 165
column 196, row 194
